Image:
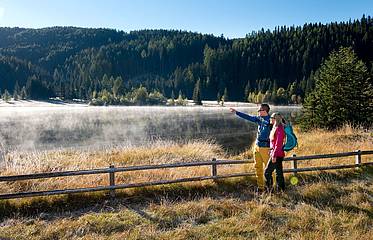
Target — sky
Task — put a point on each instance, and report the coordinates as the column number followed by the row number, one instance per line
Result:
column 232, row 18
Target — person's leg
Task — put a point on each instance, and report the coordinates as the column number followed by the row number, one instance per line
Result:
column 258, row 164
column 280, row 174
column 268, row 174
column 265, row 154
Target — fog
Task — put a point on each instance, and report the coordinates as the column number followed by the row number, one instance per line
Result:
column 48, row 128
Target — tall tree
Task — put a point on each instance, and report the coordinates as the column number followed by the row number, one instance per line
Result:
column 16, row 92
column 197, row 98
column 343, row 93
column 116, row 86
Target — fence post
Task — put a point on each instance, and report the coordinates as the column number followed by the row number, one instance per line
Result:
column 358, row 158
column 112, row 180
column 294, row 165
column 214, row 170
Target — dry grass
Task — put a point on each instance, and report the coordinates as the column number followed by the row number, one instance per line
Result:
column 316, row 142
column 161, row 152
column 335, row 205
column 346, row 139
column 336, row 209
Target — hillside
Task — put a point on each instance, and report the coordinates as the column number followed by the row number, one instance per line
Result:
column 74, row 62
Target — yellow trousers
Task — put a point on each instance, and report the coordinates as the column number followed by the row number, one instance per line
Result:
column 261, row 157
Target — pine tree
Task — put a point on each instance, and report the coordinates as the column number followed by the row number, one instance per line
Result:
column 6, row 96
column 116, row 86
column 180, row 100
column 140, row 95
column 247, row 90
column 106, row 83
column 267, row 96
column 292, row 89
column 225, row 96
column 260, row 97
column 16, row 91
column 281, row 96
column 274, row 95
column 172, row 102
column 23, row 94
column 343, row 93
column 197, row 93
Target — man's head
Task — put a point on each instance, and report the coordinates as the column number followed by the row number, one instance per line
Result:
column 263, row 110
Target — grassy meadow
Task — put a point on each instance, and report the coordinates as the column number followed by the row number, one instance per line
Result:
column 332, row 205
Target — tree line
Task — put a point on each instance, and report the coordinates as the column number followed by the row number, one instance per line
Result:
column 278, row 66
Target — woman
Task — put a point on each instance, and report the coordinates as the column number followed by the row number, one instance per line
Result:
column 277, row 154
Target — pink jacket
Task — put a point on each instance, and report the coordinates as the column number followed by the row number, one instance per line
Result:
column 277, row 142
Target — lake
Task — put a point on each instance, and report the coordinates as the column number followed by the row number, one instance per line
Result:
column 82, row 127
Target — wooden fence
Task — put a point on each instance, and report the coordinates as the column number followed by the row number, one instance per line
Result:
column 214, row 173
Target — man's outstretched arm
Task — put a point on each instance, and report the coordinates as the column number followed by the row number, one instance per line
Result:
column 246, row 116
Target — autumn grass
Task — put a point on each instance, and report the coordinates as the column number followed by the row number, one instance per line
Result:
column 324, row 205
column 160, row 152
column 338, row 208
column 316, row 142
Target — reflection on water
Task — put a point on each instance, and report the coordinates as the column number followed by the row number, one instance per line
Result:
column 37, row 128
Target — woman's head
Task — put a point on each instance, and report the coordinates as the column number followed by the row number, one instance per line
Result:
column 276, row 119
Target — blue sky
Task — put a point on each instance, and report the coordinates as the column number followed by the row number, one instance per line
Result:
column 233, row 18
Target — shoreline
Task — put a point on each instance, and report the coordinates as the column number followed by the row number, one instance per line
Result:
column 59, row 103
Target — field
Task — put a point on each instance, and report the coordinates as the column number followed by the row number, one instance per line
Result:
column 333, row 205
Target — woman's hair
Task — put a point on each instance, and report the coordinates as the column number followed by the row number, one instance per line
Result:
column 279, row 120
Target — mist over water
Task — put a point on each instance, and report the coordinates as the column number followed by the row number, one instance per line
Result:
column 48, row 128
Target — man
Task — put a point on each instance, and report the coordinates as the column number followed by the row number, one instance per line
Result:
column 261, row 149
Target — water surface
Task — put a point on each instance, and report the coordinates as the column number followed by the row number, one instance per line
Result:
column 46, row 128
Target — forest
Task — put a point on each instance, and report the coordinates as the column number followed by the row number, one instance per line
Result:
column 277, row 66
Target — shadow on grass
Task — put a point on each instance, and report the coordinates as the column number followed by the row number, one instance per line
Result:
column 327, row 195
column 345, row 176
column 135, row 199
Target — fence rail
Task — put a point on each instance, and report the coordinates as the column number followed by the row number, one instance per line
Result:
column 214, row 173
